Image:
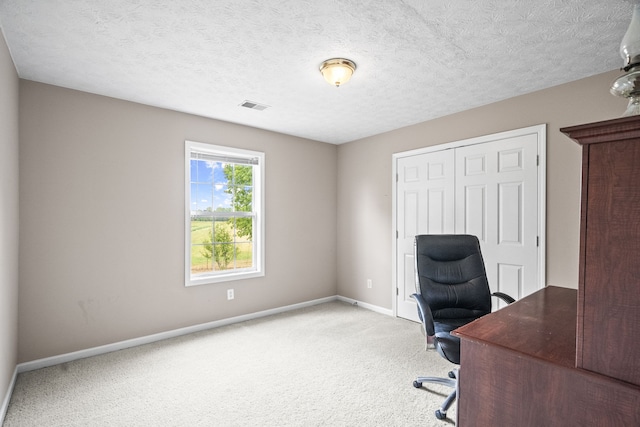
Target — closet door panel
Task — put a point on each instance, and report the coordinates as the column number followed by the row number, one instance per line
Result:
column 496, row 191
column 425, row 186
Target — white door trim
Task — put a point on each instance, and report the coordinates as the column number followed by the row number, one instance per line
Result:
column 541, row 131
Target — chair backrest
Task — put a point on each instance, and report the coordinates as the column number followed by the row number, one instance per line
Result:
column 451, row 274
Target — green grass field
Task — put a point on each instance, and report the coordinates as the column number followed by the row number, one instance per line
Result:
column 200, row 232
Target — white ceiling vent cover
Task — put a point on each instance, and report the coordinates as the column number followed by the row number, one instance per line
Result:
column 254, row 105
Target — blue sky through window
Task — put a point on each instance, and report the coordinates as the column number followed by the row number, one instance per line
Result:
column 208, row 186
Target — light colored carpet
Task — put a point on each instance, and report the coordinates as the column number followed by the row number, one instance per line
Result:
column 333, row 364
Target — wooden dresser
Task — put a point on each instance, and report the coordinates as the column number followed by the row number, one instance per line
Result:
column 560, row 356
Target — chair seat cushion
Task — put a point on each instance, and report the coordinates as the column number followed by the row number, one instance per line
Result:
column 446, row 344
column 448, row 325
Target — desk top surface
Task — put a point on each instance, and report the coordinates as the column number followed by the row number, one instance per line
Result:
column 541, row 325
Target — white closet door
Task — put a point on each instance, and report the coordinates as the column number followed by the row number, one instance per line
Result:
column 497, row 200
column 425, row 201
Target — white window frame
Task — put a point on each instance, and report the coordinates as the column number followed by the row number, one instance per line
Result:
column 258, row 210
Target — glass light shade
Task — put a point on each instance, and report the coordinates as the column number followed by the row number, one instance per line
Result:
column 628, row 85
column 337, row 71
column 630, row 45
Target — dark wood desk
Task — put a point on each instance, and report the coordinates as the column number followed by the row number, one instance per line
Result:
column 518, row 369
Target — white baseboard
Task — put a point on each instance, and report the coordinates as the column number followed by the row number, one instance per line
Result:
column 7, row 397
column 371, row 307
column 121, row 345
column 108, row 348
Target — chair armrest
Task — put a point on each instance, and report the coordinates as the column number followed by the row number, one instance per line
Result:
column 504, row 297
column 424, row 312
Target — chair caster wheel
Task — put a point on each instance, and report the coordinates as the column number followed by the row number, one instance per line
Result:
column 440, row 415
column 417, row 384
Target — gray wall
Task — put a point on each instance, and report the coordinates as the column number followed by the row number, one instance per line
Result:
column 102, row 221
column 8, row 217
column 365, row 243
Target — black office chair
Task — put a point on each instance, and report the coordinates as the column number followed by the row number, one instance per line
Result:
column 452, row 290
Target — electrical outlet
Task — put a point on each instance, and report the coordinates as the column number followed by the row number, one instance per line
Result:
column 230, row 294
column 369, row 284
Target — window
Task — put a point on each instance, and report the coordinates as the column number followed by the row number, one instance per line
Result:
column 224, row 224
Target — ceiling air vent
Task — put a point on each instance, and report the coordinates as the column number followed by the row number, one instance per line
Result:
column 254, row 105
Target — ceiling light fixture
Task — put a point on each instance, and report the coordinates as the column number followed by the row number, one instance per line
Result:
column 337, row 71
column 628, row 85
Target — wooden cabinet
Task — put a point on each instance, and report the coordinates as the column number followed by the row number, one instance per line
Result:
column 608, row 325
column 566, row 357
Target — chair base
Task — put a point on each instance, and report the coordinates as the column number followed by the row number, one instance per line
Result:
column 441, row 413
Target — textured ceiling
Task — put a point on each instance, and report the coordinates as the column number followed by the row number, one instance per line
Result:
column 417, row 59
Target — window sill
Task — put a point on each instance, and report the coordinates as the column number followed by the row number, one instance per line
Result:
column 221, row 278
